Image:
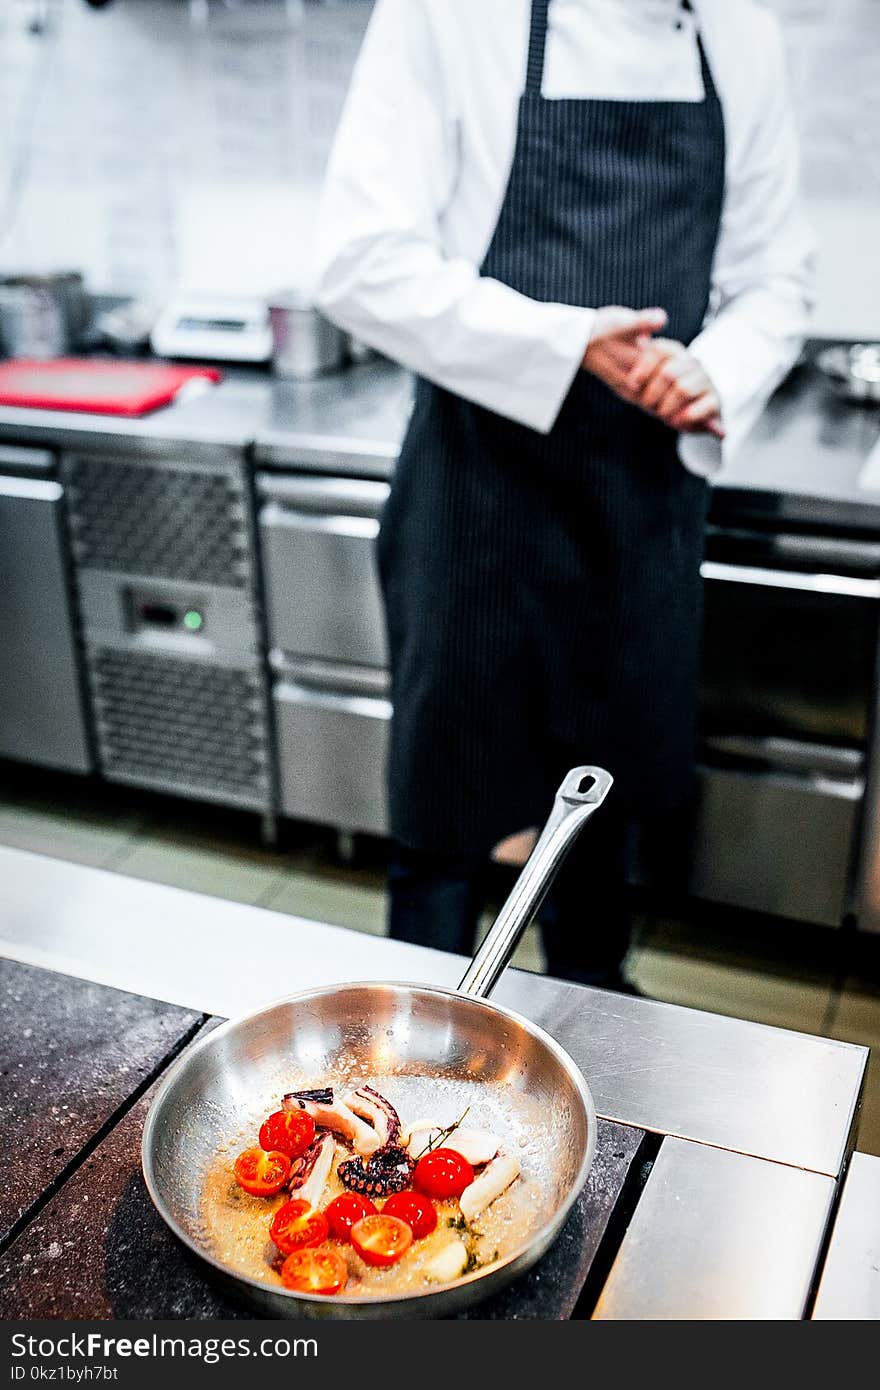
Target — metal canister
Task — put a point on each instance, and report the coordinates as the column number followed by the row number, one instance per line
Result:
column 305, row 343
column 42, row 315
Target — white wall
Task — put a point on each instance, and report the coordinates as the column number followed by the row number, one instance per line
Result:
column 834, row 55
column 164, row 153
column 160, row 152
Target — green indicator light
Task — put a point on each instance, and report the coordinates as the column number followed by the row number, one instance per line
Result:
column 193, row 620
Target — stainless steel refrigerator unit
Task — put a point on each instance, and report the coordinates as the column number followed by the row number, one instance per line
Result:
column 788, row 691
column 168, row 592
column 42, row 705
column 327, row 646
column 788, row 719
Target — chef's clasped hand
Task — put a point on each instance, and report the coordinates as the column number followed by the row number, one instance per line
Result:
column 659, row 375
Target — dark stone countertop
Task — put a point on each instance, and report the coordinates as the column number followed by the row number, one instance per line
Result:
column 81, row 1238
column 73, row 1053
column 100, row 1250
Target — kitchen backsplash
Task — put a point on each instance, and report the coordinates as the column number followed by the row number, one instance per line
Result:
column 162, row 150
column 162, row 141
column 834, row 58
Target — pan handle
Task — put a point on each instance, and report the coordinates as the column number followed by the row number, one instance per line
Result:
column 581, row 794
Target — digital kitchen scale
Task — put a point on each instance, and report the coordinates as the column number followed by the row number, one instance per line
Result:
column 214, row 328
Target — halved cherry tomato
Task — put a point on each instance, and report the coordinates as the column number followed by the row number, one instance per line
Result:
column 380, row 1239
column 418, row 1213
column 288, row 1131
column 443, row 1174
column 296, row 1226
column 314, row 1271
column 344, row 1211
column 260, row 1173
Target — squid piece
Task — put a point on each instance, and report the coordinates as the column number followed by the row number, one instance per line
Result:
column 407, row 1132
column 449, row 1263
column 309, row 1174
column 372, row 1106
column 330, row 1113
column 495, row 1178
column 478, row 1146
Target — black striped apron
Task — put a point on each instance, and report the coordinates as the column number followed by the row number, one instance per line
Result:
column 542, row 592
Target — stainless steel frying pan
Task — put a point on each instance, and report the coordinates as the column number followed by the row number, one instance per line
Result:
column 412, row 1041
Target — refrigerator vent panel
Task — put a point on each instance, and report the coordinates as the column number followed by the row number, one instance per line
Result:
column 171, row 523
column 181, row 726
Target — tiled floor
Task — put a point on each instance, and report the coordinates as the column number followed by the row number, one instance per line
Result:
column 810, row 980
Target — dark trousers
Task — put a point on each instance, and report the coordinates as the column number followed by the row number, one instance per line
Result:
column 437, row 901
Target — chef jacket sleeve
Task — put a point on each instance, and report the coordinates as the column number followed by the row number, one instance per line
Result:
column 383, row 274
column 762, row 281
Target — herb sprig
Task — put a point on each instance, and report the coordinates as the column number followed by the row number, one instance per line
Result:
column 445, row 1133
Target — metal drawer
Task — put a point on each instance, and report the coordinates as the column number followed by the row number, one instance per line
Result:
column 42, row 712
column 331, row 753
column 776, row 842
column 318, row 539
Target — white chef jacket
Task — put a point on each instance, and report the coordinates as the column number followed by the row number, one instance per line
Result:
column 421, row 164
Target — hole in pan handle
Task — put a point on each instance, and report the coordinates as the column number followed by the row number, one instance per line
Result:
column 582, row 792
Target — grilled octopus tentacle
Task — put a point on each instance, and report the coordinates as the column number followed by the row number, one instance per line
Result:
column 329, row 1113
column 372, row 1106
column 324, row 1096
column 388, row 1170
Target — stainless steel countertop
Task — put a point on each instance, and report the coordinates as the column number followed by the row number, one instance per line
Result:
column 348, row 423
column 685, row 1230
column 211, row 418
column 804, row 459
column 351, row 424
column 850, row 1287
column 732, row 1220
column 761, row 1091
column 802, row 462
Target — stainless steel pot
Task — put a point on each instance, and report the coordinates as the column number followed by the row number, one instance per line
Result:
column 42, row 316
column 305, row 343
column 417, row 1035
column 855, row 370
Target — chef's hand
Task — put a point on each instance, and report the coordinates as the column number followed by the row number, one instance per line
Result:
column 618, row 339
column 669, row 383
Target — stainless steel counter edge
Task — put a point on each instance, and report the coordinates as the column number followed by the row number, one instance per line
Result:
column 350, row 457
column 678, row 1260
column 722, row 1082
column 850, row 1286
column 177, row 432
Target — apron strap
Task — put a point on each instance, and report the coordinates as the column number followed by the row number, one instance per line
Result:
column 705, row 70
column 537, row 45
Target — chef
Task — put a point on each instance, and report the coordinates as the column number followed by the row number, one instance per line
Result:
column 577, row 222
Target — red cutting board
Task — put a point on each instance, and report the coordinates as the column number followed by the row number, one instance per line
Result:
column 97, row 385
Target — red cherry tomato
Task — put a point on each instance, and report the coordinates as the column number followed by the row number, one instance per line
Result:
column 288, row 1131
column 296, row 1226
column 260, row 1173
column 344, row 1211
column 443, row 1174
column 380, row 1239
column 314, row 1271
column 418, row 1213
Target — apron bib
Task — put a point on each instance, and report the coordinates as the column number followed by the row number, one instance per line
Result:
column 543, row 592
